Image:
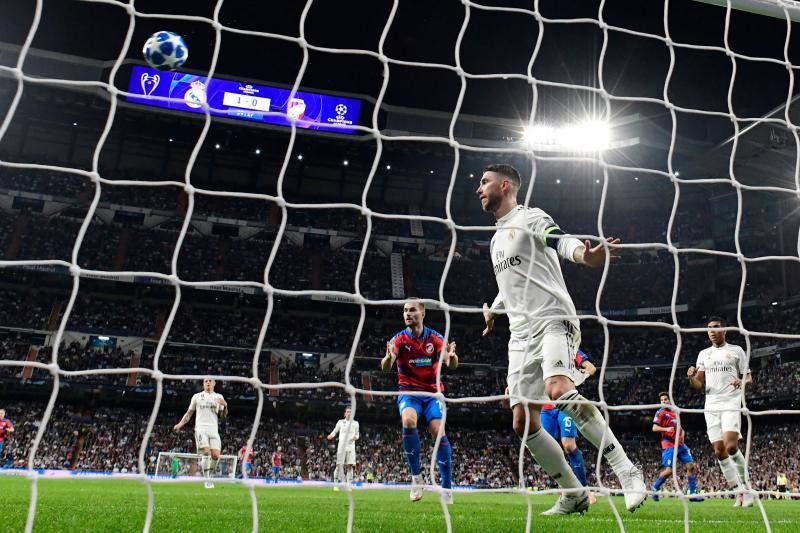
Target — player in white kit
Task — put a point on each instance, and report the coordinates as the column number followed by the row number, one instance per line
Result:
column 210, row 406
column 525, row 252
column 348, row 432
column 722, row 368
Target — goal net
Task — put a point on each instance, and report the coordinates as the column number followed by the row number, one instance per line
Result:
column 568, row 124
column 182, row 465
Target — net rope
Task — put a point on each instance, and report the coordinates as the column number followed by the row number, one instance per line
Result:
column 76, row 272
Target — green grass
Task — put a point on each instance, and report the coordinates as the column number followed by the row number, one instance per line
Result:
column 114, row 505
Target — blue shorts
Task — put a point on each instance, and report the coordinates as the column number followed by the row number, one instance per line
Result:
column 276, row 470
column 248, row 467
column 684, row 456
column 426, row 405
column 2, row 446
column 559, row 424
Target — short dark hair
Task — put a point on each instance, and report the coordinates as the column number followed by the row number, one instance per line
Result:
column 506, row 170
column 660, row 394
column 417, row 301
column 719, row 319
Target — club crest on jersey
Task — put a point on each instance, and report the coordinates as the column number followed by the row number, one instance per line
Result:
column 429, row 348
column 511, row 234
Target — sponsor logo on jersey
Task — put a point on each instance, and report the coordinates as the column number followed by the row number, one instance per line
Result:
column 504, row 263
column 421, row 361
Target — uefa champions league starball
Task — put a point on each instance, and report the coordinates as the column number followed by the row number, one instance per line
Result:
column 165, row 50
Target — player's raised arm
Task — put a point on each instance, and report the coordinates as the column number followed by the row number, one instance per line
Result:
column 594, row 257
column 450, row 356
column 696, row 377
column 390, row 357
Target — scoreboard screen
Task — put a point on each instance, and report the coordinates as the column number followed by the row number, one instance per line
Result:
column 244, row 101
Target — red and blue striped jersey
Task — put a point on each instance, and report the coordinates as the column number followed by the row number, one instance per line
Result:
column 580, row 357
column 246, row 454
column 5, row 426
column 667, row 419
column 417, row 359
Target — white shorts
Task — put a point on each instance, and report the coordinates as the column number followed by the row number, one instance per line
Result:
column 720, row 422
column 531, row 362
column 207, row 438
column 346, row 457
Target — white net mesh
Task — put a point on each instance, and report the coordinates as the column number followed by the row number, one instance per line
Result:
column 785, row 9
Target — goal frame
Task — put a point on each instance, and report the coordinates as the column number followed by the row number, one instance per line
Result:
column 169, row 455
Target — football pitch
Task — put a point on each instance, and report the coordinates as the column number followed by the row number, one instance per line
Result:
column 120, row 505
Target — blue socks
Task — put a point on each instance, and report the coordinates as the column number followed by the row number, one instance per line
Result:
column 576, row 463
column 660, row 481
column 411, row 448
column 692, row 484
column 444, row 458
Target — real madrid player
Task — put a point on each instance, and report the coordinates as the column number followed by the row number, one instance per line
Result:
column 525, row 252
column 348, row 432
column 722, row 368
column 416, row 351
column 210, row 407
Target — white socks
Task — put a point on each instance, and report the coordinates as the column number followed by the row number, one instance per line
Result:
column 741, row 467
column 349, row 475
column 592, row 426
column 338, row 474
column 729, row 470
column 205, row 465
column 546, row 451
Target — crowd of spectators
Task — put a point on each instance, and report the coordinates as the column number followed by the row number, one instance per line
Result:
column 109, row 439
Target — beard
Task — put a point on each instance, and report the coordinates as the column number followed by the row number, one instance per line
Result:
column 492, row 203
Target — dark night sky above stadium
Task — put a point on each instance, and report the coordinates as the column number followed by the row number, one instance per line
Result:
column 495, row 42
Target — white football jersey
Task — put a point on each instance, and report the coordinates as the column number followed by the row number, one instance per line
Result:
column 348, row 432
column 206, row 409
column 722, row 365
column 528, row 272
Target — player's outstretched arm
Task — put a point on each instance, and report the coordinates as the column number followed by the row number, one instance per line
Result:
column 388, row 359
column 595, row 256
column 184, row 420
column 696, row 377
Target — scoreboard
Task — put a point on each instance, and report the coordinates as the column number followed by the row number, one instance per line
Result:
column 243, row 101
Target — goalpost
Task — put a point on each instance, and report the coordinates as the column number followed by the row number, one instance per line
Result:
column 783, row 8
column 188, row 465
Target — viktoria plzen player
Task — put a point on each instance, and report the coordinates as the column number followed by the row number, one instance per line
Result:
column 6, row 429
column 416, row 351
column 210, row 406
column 525, row 252
column 722, row 368
column 562, row 428
column 672, row 446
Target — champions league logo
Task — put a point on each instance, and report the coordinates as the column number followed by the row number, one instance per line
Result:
column 149, row 83
column 340, row 119
column 195, row 96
